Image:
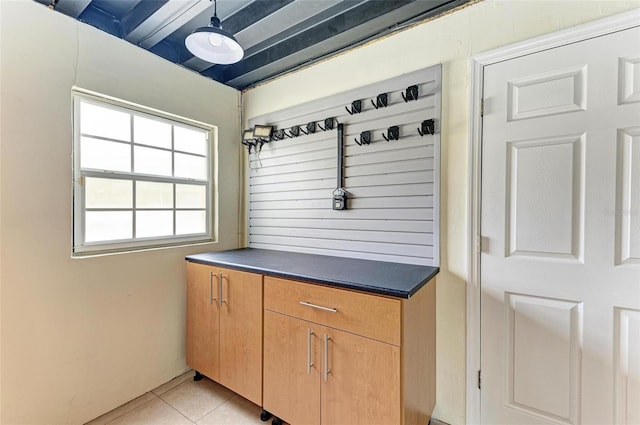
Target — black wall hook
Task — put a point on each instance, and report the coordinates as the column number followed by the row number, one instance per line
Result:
column 328, row 124
column 295, row 131
column 411, row 93
column 381, row 101
column 311, row 127
column 365, row 138
column 427, row 127
column 393, row 133
column 356, row 107
column 277, row 135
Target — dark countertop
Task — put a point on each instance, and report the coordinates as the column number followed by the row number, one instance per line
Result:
column 379, row 277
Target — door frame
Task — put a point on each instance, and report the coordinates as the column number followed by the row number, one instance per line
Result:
column 575, row 34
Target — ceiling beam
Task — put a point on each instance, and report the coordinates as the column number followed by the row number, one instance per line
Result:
column 139, row 14
column 72, row 8
column 166, row 20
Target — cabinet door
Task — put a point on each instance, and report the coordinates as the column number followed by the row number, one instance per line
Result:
column 241, row 333
column 292, row 361
column 202, row 320
column 363, row 383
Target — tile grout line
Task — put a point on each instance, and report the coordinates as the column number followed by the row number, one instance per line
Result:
column 189, row 419
column 181, row 414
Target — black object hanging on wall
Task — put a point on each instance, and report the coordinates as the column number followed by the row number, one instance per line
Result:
column 393, row 133
column 411, row 93
column 356, row 107
column 340, row 195
column 365, row 138
column 427, row 127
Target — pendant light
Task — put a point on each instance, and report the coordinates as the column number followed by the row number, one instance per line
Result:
column 213, row 44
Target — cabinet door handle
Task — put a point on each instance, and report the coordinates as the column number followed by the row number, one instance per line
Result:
column 211, row 297
column 309, row 362
column 222, row 300
column 319, row 307
column 327, row 338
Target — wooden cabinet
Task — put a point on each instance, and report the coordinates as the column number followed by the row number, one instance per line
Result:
column 224, row 327
column 333, row 356
column 203, row 321
column 292, row 368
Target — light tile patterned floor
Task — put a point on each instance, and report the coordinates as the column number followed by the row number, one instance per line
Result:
column 183, row 401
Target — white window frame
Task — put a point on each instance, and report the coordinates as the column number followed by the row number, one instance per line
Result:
column 82, row 248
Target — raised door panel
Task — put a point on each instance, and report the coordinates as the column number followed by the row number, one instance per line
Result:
column 202, row 320
column 628, row 197
column 544, row 349
column 291, row 369
column 627, row 366
column 241, row 333
column 362, row 386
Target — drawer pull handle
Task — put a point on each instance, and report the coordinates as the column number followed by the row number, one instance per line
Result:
column 319, row 307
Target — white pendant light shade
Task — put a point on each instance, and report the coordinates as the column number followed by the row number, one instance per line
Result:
column 213, row 44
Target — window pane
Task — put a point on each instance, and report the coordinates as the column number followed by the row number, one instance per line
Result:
column 190, row 140
column 152, row 161
column 154, row 195
column 104, row 155
column 151, row 132
column 191, row 196
column 108, row 225
column 189, row 222
column 154, row 223
column 189, row 166
column 104, row 122
column 108, row 193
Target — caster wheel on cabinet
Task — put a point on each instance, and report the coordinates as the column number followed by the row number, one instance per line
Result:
column 265, row 416
column 198, row 376
column 276, row 421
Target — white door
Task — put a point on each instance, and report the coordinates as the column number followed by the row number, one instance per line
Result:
column 560, row 262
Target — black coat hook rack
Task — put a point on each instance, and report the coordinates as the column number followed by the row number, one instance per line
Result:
column 427, row 127
column 393, row 133
column 356, row 107
column 365, row 138
column 382, row 100
column 411, row 93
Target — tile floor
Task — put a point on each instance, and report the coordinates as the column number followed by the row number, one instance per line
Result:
column 183, row 401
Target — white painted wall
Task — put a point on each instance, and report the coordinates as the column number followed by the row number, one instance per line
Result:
column 82, row 336
column 450, row 40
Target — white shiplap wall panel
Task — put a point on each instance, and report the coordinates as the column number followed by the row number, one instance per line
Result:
column 400, row 226
column 393, row 186
column 363, row 214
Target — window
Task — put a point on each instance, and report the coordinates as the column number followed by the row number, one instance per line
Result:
column 141, row 178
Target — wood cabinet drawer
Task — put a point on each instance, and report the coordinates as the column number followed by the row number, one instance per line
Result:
column 373, row 316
